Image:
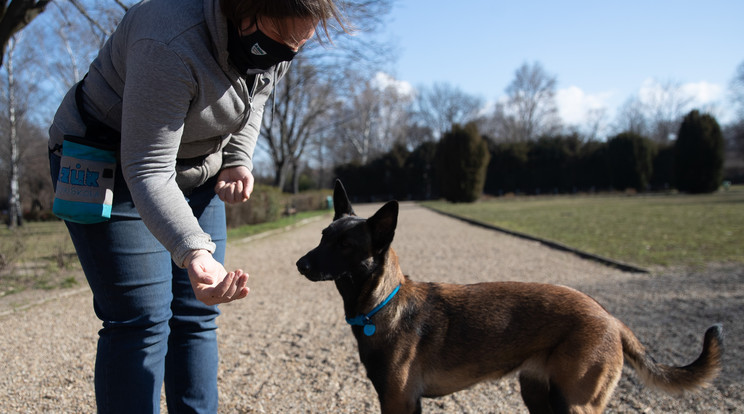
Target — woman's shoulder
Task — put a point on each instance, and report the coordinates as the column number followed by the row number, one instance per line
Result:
column 163, row 33
column 165, row 21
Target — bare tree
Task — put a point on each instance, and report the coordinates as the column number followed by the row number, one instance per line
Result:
column 394, row 114
column 736, row 88
column 442, row 105
column 734, row 132
column 631, row 117
column 596, row 124
column 360, row 115
column 19, row 161
column 416, row 133
column 301, row 100
column 372, row 118
column 354, row 46
column 315, row 83
column 530, row 110
column 666, row 104
column 102, row 18
column 72, row 33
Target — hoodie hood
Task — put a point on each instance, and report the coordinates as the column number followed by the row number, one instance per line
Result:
column 217, row 25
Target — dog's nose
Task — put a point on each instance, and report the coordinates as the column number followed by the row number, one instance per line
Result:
column 303, row 265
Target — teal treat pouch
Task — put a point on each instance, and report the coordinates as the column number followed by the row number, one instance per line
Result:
column 85, row 185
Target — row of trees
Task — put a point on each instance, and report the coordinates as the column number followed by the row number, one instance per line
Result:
column 526, row 120
column 335, row 107
column 464, row 164
column 692, row 163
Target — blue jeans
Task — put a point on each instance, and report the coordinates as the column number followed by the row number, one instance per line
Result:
column 154, row 329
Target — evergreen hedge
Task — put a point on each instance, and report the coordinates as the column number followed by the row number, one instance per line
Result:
column 630, row 159
column 551, row 164
column 461, row 160
column 699, row 154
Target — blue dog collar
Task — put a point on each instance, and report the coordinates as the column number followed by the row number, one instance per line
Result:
column 364, row 320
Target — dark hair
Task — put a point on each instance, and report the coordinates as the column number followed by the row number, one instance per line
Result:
column 321, row 10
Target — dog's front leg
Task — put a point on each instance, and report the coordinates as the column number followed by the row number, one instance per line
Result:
column 398, row 403
column 398, row 391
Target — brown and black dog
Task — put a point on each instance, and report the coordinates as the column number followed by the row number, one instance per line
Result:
column 430, row 339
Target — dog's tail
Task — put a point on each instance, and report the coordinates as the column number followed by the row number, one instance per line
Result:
column 676, row 380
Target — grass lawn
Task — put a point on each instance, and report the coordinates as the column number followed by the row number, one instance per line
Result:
column 40, row 255
column 253, row 229
column 37, row 255
column 647, row 230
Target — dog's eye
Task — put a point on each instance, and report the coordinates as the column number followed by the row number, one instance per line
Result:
column 345, row 244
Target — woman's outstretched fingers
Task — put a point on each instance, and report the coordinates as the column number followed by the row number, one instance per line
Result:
column 242, row 281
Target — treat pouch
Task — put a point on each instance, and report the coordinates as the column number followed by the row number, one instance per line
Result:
column 85, row 185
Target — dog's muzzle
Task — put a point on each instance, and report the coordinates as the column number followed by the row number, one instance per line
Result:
column 303, row 265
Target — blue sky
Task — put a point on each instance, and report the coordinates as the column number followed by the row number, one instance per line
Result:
column 601, row 52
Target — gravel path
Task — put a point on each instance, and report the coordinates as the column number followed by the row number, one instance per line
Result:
column 287, row 349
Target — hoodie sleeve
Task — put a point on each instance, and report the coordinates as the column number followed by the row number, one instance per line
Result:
column 239, row 150
column 158, row 90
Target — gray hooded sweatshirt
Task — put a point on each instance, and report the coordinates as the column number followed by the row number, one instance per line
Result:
column 163, row 80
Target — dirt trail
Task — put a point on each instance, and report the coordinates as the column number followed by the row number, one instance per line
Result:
column 287, row 349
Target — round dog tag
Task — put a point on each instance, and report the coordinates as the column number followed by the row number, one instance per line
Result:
column 369, row 330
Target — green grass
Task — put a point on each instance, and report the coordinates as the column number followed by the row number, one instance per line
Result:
column 37, row 255
column 35, row 240
column 40, row 255
column 646, row 230
column 253, row 229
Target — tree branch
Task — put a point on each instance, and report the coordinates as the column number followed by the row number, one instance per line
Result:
column 122, row 5
column 17, row 15
column 90, row 19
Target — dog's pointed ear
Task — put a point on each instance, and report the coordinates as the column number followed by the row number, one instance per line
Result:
column 382, row 225
column 341, row 204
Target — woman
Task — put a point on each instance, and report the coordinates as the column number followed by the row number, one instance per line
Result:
column 180, row 89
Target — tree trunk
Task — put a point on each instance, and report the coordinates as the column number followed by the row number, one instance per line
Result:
column 296, row 170
column 280, row 174
column 14, row 200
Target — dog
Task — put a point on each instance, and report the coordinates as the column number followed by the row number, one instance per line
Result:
column 431, row 339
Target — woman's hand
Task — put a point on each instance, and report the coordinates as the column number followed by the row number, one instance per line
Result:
column 234, row 184
column 212, row 284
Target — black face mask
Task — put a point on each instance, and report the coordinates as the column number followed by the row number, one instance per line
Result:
column 255, row 52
